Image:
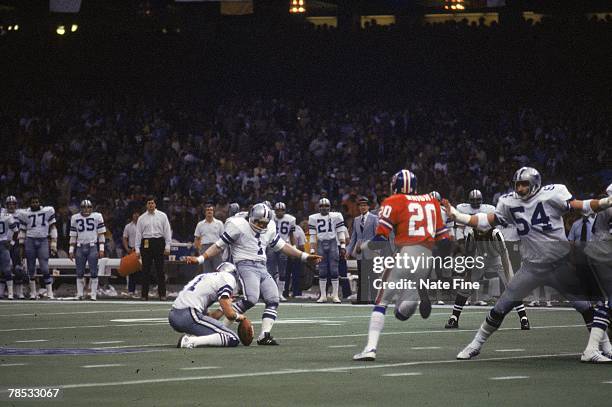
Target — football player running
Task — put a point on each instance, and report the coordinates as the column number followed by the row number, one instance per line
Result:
column 37, row 236
column 537, row 211
column 418, row 225
column 190, row 316
column 327, row 239
column 492, row 247
column 87, row 246
column 248, row 240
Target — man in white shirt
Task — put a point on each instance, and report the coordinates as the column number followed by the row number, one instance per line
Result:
column 207, row 232
column 153, row 238
column 129, row 244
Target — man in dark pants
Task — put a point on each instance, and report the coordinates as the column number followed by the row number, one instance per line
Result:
column 153, row 238
column 363, row 230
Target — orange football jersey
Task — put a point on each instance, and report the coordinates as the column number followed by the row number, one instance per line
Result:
column 415, row 219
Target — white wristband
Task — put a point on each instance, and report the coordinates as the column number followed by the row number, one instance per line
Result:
column 101, row 248
column 201, row 259
column 586, row 207
column 304, row 257
column 71, row 250
column 342, row 245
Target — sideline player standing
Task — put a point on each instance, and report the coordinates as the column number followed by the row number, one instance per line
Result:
column 327, row 230
column 537, row 213
column 248, row 240
column 277, row 261
column 418, row 224
column 37, row 225
column 87, row 246
column 8, row 227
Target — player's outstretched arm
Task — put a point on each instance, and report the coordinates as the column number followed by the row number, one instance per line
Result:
column 480, row 221
column 228, row 311
column 305, row 257
column 212, row 251
column 590, row 206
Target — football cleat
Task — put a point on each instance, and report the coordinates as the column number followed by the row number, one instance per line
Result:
column 336, row 300
column 368, row 355
column 425, row 307
column 453, row 323
column 440, row 303
column 282, row 298
column 267, row 340
column 468, row 353
column 593, row 356
column 481, row 303
column 525, row 326
column 533, row 304
column 549, row 303
column 184, row 342
column 322, row 299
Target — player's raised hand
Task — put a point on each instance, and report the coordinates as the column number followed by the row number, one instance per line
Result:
column 313, row 259
column 191, row 260
column 448, row 207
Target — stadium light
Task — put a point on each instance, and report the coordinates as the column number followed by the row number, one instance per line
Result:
column 61, row 30
column 16, row 27
column 297, row 6
column 74, row 28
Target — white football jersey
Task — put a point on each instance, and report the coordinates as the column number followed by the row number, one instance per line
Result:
column 245, row 243
column 86, row 228
column 483, row 248
column 8, row 226
column 36, row 223
column 469, row 210
column 326, row 227
column 538, row 221
column 285, row 226
column 204, row 289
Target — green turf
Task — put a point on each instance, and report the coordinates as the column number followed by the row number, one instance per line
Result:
column 304, row 370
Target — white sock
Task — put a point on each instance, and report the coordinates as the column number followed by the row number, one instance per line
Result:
column 19, row 290
column 207, row 340
column 50, row 291
column 266, row 326
column 281, row 288
column 323, row 287
column 483, row 334
column 9, row 286
column 33, row 292
column 93, row 284
column 595, row 338
column 335, row 284
column 377, row 323
column 604, row 345
column 80, row 285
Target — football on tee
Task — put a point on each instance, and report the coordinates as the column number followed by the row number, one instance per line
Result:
column 246, row 332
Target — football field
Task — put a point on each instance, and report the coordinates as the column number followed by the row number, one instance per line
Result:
column 123, row 353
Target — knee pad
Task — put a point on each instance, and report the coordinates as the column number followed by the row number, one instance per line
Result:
column 405, row 310
column 243, row 306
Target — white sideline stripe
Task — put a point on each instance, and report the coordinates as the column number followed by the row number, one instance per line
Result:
column 356, row 366
column 78, row 312
column 402, row 374
column 33, row 341
column 105, row 342
column 509, row 378
column 342, row 346
column 200, row 368
column 12, row 364
column 107, row 365
column 332, row 324
column 509, row 350
column 424, row 347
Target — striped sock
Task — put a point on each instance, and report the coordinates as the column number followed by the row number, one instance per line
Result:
column 521, row 311
column 460, row 301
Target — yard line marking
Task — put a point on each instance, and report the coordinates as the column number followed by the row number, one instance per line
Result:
column 200, row 368
column 106, row 365
column 78, row 312
column 332, row 324
column 402, row 374
column 356, row 366
column 424, row 347
column 342, row 346
column 33, row 341
column 52, row 328
column 508, row 377
column 12, row 364
column 105, row 342
column 509, row 350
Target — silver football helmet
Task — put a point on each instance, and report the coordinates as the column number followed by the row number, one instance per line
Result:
column 324, row 206
column 259, row 217
column 234, row 208
column 609, row 190
column 475, row 198
column 86, row 207
column 11, row 204
column 280, row 209
column 226, row 267
column 436, row 195
column 530, row 175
